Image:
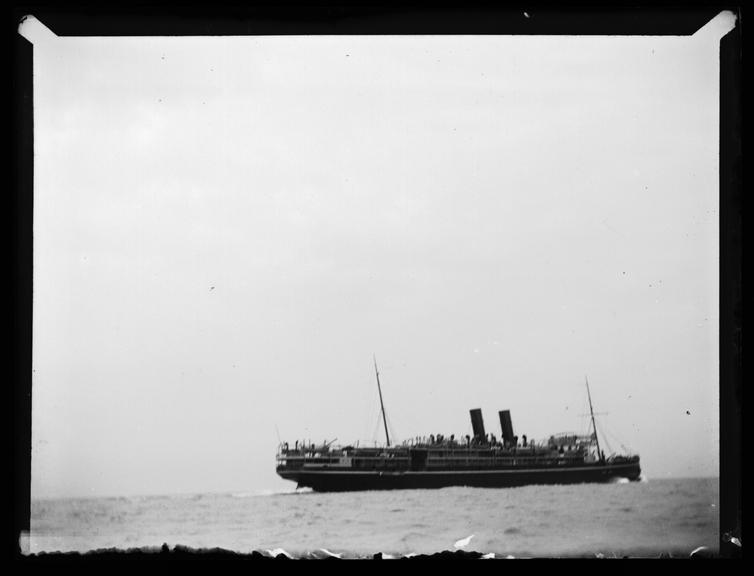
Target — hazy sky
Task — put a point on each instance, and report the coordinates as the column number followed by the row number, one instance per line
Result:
column 226, row 229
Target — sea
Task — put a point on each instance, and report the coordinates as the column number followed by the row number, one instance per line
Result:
column 651, row 518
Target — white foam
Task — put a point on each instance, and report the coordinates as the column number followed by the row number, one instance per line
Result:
column 332, row 554
column 463, row 542
column 277, row 551
column 619, row 480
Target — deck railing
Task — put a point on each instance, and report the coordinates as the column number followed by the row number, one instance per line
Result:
column 438, row 459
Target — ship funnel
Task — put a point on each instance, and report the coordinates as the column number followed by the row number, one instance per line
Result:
column 477, row 423
column 507, row 426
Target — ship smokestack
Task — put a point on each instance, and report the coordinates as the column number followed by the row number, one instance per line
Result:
column 507, row 427
column 477, row 423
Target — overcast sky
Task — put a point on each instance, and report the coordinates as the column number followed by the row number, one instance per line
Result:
column 226, row 229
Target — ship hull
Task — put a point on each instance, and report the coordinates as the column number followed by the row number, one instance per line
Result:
column 333, row 480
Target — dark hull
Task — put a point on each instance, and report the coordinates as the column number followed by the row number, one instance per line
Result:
column 333, row 480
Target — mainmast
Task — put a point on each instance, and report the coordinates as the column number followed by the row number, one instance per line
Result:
column 379, row 389
column 594, row 426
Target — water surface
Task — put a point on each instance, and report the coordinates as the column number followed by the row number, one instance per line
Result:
column 637, row 519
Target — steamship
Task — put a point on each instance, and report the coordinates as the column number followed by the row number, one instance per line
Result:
column 480, row 460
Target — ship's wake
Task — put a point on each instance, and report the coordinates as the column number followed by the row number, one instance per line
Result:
column 257, row 493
